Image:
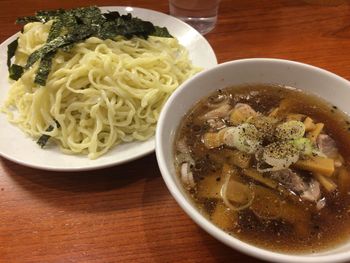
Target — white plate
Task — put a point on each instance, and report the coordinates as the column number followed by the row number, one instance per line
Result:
column 16, row 146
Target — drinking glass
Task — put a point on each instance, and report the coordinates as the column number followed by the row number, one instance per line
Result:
column 200, row 14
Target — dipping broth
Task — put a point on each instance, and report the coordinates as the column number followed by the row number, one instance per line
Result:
column 270, row 166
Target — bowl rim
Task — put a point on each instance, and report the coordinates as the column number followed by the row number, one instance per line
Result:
column 203, row 222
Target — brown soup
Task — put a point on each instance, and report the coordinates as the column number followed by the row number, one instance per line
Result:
column 269, row 165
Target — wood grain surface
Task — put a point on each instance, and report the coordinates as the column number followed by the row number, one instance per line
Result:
column 125, row 213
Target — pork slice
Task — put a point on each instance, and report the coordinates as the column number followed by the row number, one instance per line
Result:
column 327, row 145
column 245, row 108
column 219, row 112
column 313, row 193
column 182, row 147
column 294, row 182
column 290, row 180
column 216, row 124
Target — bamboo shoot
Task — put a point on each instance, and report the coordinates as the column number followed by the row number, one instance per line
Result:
column 317, row 164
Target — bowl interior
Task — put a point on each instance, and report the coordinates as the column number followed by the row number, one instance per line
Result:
column 322, row 83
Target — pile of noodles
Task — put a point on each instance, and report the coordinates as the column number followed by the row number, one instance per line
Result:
column 99, row 93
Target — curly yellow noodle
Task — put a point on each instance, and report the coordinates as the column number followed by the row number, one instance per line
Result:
column 101, row 92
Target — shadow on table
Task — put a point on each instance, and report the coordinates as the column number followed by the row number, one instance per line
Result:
column 119, row 187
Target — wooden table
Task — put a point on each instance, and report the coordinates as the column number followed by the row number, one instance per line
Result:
column 125, row 213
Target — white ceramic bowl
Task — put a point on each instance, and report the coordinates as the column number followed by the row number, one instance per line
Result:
column 273, row 71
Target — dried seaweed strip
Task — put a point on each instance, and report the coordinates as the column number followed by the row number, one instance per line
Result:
column 46, row 62
column 61, row 41
column 15, row 71
column 11, row 50
column 78, row 24
column 42, row 141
